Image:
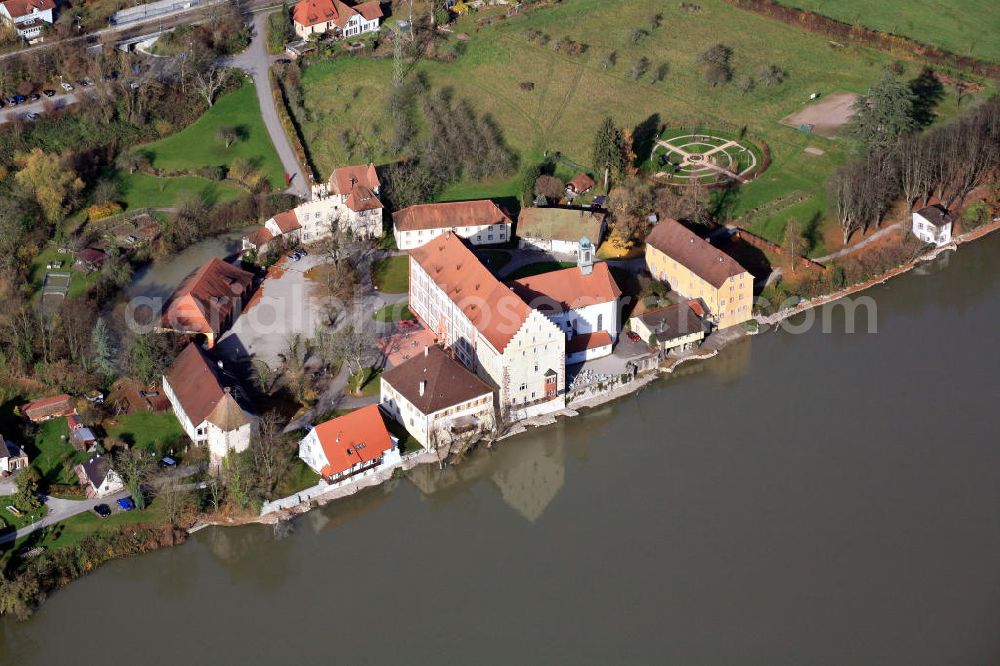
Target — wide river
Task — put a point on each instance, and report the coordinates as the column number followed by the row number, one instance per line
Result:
column 803, row 499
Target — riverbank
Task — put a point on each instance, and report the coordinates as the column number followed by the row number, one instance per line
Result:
column 809, row 304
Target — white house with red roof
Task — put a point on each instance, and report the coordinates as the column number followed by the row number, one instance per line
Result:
column 583, row 301
column 480, row 222
column 333, row 17
column 491, row 329
column 28, row 17
column 350, row 201
column 349, row 445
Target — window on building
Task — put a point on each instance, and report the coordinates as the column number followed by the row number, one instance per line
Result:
column 524, row 387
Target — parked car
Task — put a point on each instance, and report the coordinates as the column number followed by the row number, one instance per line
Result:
column 409, row 325
column 292, row 256
column 102, row 510
column 302, row 253
column 32, row 116
column 34, row 97
column 66, row 86
column 13, row 510
column 166, row 462
column 21, row 99
column 12, row 100
column 633, row 336
column 2, row 103
column 49, row 92
column 126, row 504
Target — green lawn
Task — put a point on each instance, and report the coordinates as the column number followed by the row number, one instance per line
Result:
column 141, row 190
column 495, row 259
column 572, row 94
column 196, row 145
column 9, row 520
column 365, row 382
column 152, row 432
column 539, row 268
column 392, row 274
column 50, row 448
column 298, row 478
column 393, row 312
column 965, row 27
column 79, row 282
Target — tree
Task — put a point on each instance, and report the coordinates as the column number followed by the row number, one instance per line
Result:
column 771, row 75
column 631, row 202
column 609, row 150
column 640, row 67
column 793, row 244
column 271, row 453
column 354, row 347
column 227, row 135
column 208, row 81
column 26, row 496
column 550, row 187
column 134, row 466
column 279, row 30
column 53, row 185
column 101, row 352
column 715, row 62
column 294, row 367
column 661, row 71
column 147, row 356
column 131, row 160
column 884, row 114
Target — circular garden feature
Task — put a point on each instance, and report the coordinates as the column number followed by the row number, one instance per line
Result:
column 709, row 156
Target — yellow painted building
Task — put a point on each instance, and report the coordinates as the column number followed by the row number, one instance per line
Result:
column 696, row 269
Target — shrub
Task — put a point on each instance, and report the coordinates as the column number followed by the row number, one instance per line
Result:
column 212, row 172
column 771, row 75
column 745, row 85
column 640, row 67
column 103, row 210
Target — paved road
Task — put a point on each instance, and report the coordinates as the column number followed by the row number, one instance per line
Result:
column 60, row 509
column 256, row 62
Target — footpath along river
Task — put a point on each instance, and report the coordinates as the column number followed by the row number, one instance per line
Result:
column 800, row 499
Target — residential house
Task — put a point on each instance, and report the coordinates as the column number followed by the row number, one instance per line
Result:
column 210, row 405
column 80, row 436
column 98, row 477
column 480, row 222
column 12, row 457
column 90, row 259
column 349, row 202
column 489, row 328
column 44, row 409
column 207, row 301
column 580, row 184
column 696, row 269
column 583, row 301
column 932, row 225
column 559, row 230
column 349, row 445
column 28, row 17
column 437, row 399
column 674, row 327
column 335, row 18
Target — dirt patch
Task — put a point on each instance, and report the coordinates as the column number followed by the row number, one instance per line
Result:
column 826, row 116
column 813, row 150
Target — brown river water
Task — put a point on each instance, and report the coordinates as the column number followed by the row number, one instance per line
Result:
column 820, row 498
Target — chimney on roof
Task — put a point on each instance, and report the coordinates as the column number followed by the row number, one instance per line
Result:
column 427, row 351
column 219, row 363
column 423, row 386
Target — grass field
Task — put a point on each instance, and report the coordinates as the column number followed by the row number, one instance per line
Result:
column 965, row 27
column 393, row 312
column 197, row 146
column 392, row 274
column 152, row 432
column 141, row 190
column 571, row 94
column 79, row 282
column 50, row 448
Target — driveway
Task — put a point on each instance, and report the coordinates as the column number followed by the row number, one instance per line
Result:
column 60, row 509
column 256, row 62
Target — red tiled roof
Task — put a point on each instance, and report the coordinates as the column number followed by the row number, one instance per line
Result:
column 581, row 183
column 17, row 8
column 584, row 341
column 344, row 179
column 261, row 236
column 449, row 215
column 369, row 10
column 206, row 297
column 362, row 198
column 287, row 221
column 56, row 405
column 347, row 440
column 568, row 288
column 496, row 311
column 698, row 255
column 91, row 255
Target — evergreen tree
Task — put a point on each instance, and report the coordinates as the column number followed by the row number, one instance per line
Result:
column 102, row 355
column 609, row 150
column 884, row 114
